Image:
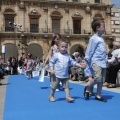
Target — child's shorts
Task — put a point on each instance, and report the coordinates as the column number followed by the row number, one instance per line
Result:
column 55, row 82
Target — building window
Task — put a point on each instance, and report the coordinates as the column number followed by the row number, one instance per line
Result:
column 77, row 26
column 9, row 15
column 117, row 14
column 112, row 22
column 117, row 22
column 117, row 30
column 117, row 39
column 112, row 14
column 56, row 25
column 97, row 1
column 113, row 30
column 8, row 27
column 34, row 26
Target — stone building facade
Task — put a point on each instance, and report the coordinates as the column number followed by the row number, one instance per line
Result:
column 115, row 21
column 27, row 25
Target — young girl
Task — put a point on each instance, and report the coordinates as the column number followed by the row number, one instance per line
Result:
column 59, row 65
column 29, row 66
column 53, row 49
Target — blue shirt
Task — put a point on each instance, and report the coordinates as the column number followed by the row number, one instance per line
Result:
column 96, row 51
column 88, row 71
column 61, row 63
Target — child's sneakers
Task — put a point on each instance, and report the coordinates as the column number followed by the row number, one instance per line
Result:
column 69, row 99
column 57, row 90
column 52, row 99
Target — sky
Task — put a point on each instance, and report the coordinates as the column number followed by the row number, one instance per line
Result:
column 116, row 2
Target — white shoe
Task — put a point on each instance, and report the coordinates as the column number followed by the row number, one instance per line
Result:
column 57, row 90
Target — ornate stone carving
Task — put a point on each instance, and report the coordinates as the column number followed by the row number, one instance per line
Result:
column 77, row 15
column 22, row 5
column 66, row 9
column 88, row 10
column 34, row 13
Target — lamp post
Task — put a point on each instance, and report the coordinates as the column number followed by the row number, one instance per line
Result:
column 15, row 26
column 3, row 51
column 22, row 46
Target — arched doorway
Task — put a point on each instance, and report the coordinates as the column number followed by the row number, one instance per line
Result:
column 10, row 51
column 77, row 48
column 35, row 50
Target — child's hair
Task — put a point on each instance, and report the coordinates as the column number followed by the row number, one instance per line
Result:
column 110, row 45
column 96, row 23
column 29, row 55
column 55, row 35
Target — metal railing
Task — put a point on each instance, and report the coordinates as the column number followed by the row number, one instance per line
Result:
column 49, row 30
column 40, row 30
column 60, row 0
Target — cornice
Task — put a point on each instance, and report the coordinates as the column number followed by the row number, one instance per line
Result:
column 61, row 4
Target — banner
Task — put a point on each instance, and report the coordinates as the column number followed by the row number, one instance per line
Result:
column 3, row 48
column 35, row 73
column 41, row 78
column 21, row 71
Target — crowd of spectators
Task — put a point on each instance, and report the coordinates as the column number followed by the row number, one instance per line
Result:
column 12, row 65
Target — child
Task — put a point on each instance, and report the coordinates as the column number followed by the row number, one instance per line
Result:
column 88, row 74
column 29, row 66
column 59, row 65
column 95, row 56
column 53, row 49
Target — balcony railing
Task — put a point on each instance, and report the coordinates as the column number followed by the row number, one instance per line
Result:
column 61, row 0
column 49, row 30
column 44, row 30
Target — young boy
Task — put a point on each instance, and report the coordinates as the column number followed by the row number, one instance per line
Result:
column 88, row 74
column 95, row 56
column 59, row 65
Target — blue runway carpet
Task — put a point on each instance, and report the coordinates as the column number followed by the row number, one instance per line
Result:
column 28, row 100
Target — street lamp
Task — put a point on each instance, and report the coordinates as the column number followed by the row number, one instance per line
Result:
column 14, row 27
column 3, row 51
column 23, row 46
column 67, row 38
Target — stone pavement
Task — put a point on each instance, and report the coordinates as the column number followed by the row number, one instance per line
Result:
column 3, row 85
column 117, row 89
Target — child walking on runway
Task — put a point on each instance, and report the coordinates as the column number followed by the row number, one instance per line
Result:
column 59, row 65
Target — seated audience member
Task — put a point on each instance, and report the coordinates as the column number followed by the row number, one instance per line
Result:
column 74, row 70
column 113, row 66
